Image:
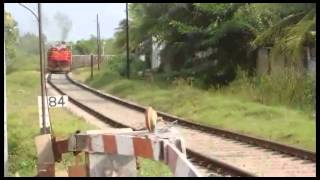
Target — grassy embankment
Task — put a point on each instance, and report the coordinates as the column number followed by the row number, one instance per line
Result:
column 216, row 108
column 23, row 126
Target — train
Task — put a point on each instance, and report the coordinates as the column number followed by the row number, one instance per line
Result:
column 59, row 58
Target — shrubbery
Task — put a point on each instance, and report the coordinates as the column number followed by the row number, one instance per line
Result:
column 119, row 64
column 286, row 87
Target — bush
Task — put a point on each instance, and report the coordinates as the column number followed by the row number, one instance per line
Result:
column 115, row 64
column 119, row 65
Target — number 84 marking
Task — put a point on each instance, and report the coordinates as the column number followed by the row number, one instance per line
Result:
column 57, row 101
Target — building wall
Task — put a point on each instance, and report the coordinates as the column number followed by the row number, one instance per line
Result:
column 277, row 64
column 262, row 61
column 312, row 61
column 155, row 57
column 265, row 64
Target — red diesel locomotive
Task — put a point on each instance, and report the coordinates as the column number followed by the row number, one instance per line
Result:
column 59, row 58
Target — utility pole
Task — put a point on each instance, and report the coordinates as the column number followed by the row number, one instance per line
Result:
column 5, row 111
column 44, row 59
column 127, row 27
column 45, row 130
column 38, row 17
column 91, row 63
column 98, row 45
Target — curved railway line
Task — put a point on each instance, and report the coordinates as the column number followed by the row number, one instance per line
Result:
column 213, row 150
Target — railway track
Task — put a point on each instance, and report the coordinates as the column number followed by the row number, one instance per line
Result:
column 214, row 150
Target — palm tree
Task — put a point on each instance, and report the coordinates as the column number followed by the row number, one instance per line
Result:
column 294, row 30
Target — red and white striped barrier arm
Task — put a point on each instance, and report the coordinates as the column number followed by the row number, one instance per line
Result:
column 144, row 146
column 178, row 163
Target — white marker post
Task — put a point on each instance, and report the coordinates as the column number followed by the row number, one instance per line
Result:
column 47, row 121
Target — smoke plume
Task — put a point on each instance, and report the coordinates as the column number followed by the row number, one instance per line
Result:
column 64, row 23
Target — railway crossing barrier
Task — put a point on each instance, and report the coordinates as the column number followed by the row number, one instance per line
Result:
column 113, row 152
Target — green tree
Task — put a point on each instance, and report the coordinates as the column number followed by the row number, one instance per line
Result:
column 224, row 32
column 86, row 46
column 109, row 47
column 11, row 35
column 292, row 28
column 228, row 33
column 146, row 20
column 29, row 42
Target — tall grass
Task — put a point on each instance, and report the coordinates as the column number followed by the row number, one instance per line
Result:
column 286, row 87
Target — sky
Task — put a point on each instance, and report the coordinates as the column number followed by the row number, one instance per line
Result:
column 82, row 15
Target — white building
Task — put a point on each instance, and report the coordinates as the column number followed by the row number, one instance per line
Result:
column 156, row 50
